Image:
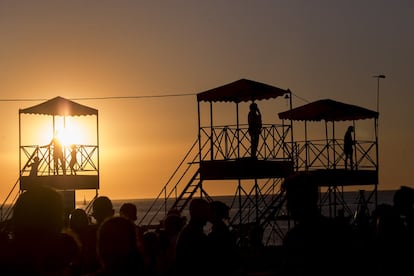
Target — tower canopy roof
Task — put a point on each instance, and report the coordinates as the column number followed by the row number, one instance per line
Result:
column 242, row 90
column 59, row 106
column 328, row 110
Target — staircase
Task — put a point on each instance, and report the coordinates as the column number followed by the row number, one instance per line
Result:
column 6, row 208
column 175, row 195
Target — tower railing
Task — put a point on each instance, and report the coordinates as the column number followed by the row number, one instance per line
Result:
column 224, row 143
column 229, row 142
column 87, row 156
column 323, row 154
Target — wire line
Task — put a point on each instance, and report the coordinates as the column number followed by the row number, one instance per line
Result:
column 105, row 98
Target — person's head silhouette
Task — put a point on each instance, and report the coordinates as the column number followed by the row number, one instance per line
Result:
column 102, row 208
column 38, row 212
column 253, row 106
column 128, row 210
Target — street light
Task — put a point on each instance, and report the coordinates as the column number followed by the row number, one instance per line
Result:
column 378, row 78
column 376, row 127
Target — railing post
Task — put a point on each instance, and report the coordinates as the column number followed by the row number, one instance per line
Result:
column 226, row 137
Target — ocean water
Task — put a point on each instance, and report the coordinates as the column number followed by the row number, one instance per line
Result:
column 352, row 200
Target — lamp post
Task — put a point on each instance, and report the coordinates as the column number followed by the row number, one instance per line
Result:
column 376, row 132
column 378, row 78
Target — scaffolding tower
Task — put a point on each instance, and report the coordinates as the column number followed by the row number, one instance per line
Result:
column 37, row 165
column 221, row 154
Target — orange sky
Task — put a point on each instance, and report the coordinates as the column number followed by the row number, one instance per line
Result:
column 89, row 49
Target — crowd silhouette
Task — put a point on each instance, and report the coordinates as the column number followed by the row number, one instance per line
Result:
column 42, row 239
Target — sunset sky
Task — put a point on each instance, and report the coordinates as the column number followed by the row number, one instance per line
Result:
column 141, row 64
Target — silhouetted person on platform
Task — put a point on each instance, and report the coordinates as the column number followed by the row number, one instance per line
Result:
column 255, row 127
column 58, row 158
column 349, row 147
column 34, row 166
column 73, row 159
column 193, row 250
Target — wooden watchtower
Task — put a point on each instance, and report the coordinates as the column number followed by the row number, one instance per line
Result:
column 319, row 151
column 59, row 118
column 222, row 154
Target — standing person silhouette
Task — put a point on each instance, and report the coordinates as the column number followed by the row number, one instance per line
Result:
column 193, row 256
column 102, row 209
column 255, row 127
column 73, row 160
column 225, row 259
column 313, row 231
column 129, row 210
column 58, row 158
column 34, row 166
column 349, row 147
column 38, row 245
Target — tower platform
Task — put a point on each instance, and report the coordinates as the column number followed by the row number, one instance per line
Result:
column 61, row 182
column 245, row 168
column 341, row 177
